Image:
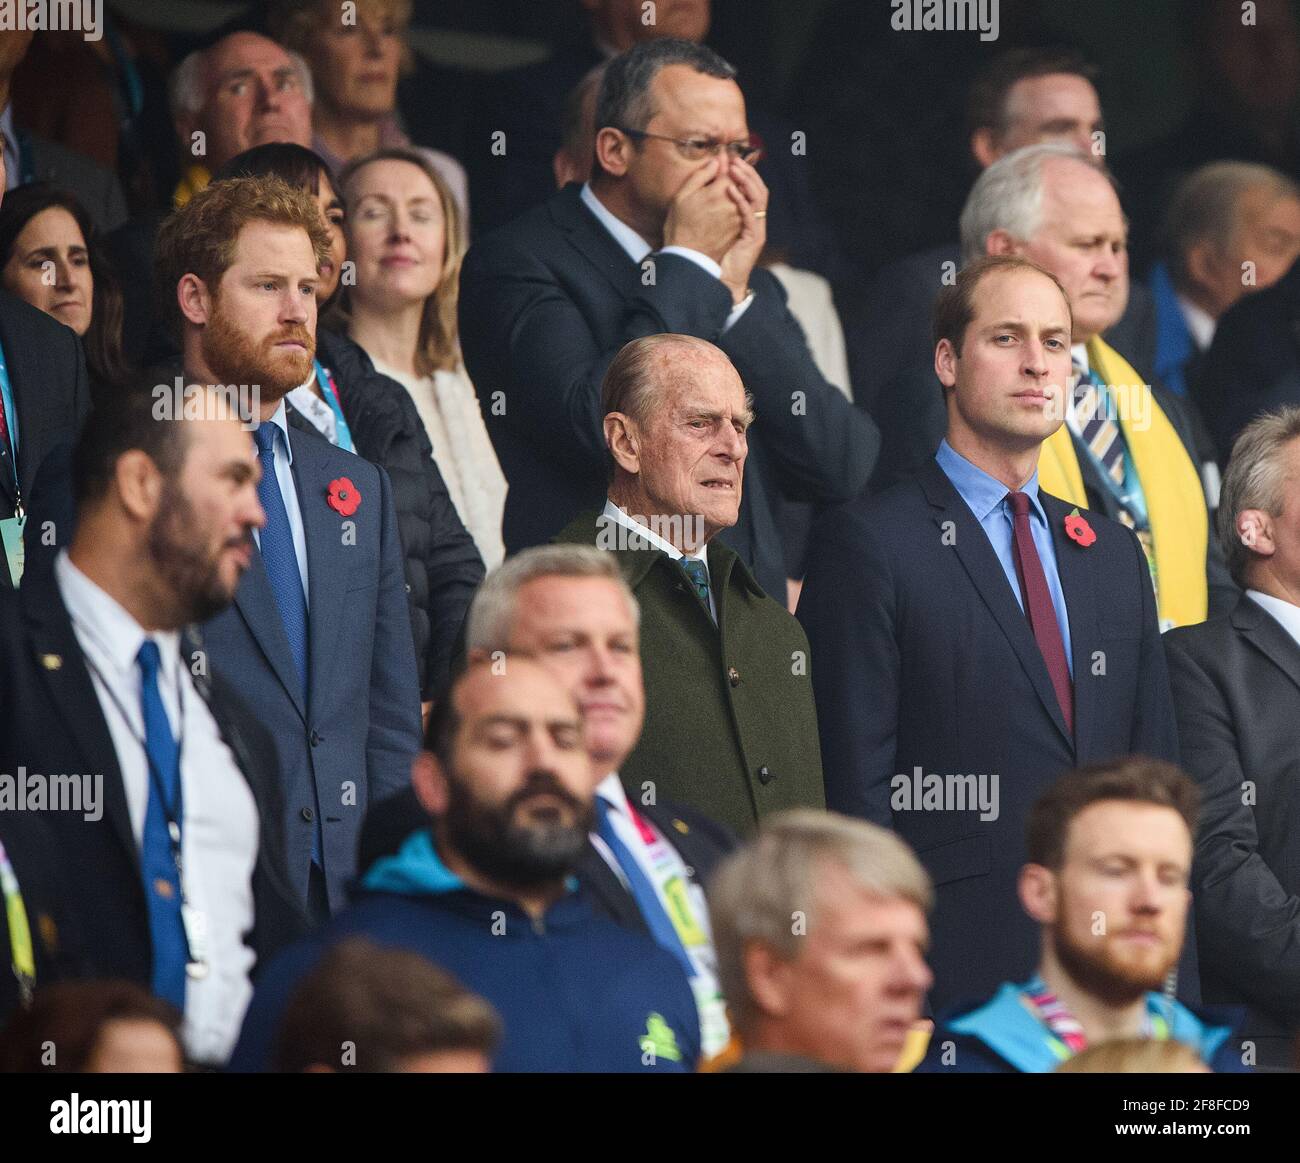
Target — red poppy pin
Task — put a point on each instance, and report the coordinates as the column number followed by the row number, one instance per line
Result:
column 344, row 497
column 1078, row 529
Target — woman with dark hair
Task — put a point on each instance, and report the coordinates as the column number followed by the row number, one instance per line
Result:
column 353, row 406
column 51, row 257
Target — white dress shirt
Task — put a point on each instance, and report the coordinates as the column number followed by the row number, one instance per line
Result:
column 219, row 825
column 658, row 865
column 614, row 513
column 637, row 249
column 1282, row 611
column 1199, row 322
column 289, row 491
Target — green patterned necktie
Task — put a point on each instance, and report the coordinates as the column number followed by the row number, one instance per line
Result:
column 699, row 575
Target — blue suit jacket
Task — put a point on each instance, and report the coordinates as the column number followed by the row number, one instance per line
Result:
column 921, row 657
column 353, row 741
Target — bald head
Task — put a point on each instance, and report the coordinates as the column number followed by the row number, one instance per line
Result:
column 676, row 417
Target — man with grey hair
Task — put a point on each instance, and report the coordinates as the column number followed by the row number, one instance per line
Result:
column 1232, row 228
column 820, row 925
column 1126, row 448
column 1236, row 684
column 568, row 607
column 730, row 724
column 665, row 237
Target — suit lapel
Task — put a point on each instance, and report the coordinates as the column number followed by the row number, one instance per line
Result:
column 255, row 601
column 24, row 380
column 591, row 240
column 58, row 660
column 986, row 574
column 326, row 565
column 1268, row 637
column 1080, row 589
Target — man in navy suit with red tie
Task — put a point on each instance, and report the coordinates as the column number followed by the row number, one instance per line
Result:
column 973, row 637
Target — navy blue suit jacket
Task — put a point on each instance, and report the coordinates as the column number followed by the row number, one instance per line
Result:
column 353, row 741
column 922, row 657
column 547, row 302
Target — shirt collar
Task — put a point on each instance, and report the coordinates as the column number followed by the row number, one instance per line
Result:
column 280, row 418
column 1199, row 322
column 1079, row 355
column 1283, row 612
column 610, row 789
column 635, row 246
column 615, row 513
column 99, row 615
column 981, row 492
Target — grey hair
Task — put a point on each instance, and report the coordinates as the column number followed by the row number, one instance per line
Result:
column 1204, row 208
column 1009, row 195
column 624, row 97
column 492, row 612
column 1253, row 480
column 187, row 88
column 757, row 892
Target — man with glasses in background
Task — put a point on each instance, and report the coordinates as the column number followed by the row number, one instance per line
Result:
column 663, row 238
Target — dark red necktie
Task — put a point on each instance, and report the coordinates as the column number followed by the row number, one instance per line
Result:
column 1039, row 608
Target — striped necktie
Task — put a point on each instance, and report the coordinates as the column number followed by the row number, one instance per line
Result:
column 1094, row 414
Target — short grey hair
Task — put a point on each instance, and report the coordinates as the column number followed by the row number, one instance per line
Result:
column 1204, row 208
column 1253, row 480
column 187, row 89
column 492, row 612
column 624, row 98
column 1009, row 195
column 757, row 891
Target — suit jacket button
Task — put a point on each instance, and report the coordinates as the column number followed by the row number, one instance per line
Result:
column 308, row 815
column 315, row 738
column 765, row 776
column 733, row 675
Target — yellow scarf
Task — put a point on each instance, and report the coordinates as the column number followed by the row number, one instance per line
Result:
column 194, row 179
column 1170, row 483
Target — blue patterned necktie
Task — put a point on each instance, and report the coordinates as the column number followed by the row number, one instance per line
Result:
column 162, row 885
column 648, row 904
column 278, row 554
column 1094, row 413
column 699, row 575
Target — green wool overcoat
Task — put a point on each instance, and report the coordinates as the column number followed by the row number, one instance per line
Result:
column 730, row 726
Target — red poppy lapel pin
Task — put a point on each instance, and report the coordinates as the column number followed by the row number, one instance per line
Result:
column 344, row 497
column 1078, row 529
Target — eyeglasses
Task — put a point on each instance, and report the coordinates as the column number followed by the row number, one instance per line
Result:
column 693, row 149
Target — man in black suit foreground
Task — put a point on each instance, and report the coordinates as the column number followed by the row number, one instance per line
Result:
column 973, row 636
column 1236, row 682
column 664, row 238
column 103, row 674
column 568, row 607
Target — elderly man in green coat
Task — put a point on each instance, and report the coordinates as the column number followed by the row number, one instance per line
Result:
column 730, row 724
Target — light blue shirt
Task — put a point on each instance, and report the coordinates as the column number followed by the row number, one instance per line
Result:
column 11, row 410
column 289, row 491
column 986, row 497
column 637, row 249
column 13, row 163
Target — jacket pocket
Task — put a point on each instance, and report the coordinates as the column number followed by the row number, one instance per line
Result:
column 958, row 859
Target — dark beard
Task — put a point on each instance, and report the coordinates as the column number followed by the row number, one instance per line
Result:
column 236, row 358
column 1112, row 983
column 519, row 856
column 191, row 575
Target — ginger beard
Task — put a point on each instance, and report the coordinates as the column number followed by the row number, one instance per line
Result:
column 236, row 357
column 1110, row 969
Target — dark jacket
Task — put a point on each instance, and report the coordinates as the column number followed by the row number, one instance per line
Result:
column 47, row 371
column 1253, row 364
column 441, row 562
column 1001, row 1036
column 700, row 842
column 51, row 721
column 730, row 726
column 548, row 301
column 1236, row 683
column 574, row 991
column 923, row 660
